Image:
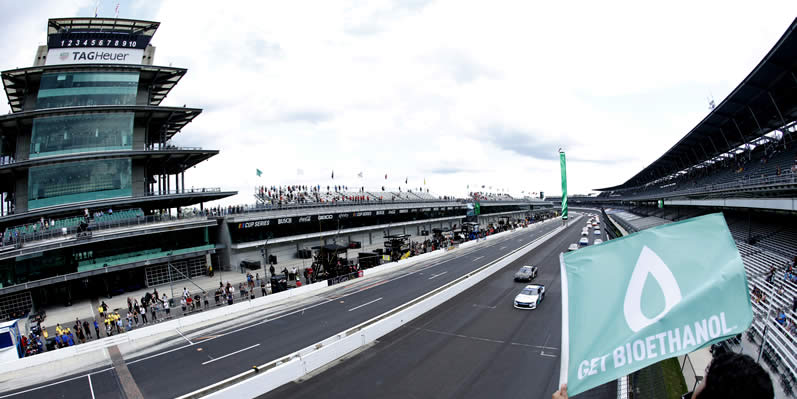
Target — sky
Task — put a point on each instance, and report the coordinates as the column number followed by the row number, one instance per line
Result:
column 454, row 94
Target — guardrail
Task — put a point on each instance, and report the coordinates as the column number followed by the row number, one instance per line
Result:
column 266, row 377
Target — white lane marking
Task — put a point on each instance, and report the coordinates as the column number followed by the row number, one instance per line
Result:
column 91, row 387
column 534, row 346
column 477, row 258
column 54, row 383
column 542, row 353
column 436, row 275
column 181, row 334
column 230, row 354
column 504, row 247
column 365, row 304
column 542, row 347
column 483, row 306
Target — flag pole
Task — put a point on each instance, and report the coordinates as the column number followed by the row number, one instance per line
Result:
column 565, row 344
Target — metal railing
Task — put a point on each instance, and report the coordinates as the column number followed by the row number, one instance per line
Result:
column 175, row 148
column 192, row 190
column 743, row 183
column 95, row 226
column 252, row 208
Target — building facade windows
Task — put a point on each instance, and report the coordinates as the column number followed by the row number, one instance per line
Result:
column 81, row 133
column 76, row 89
column 52, row 185
column 22, row 269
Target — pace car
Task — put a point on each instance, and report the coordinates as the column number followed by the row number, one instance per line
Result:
column 531, row 296
column 526, row 273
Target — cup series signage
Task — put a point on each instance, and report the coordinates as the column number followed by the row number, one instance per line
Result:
column 87, row 55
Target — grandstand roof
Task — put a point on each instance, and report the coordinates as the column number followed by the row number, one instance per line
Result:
column 169, row 160
column 169, row 120
column 160, row 80
column 764, row 101
column 132, row 26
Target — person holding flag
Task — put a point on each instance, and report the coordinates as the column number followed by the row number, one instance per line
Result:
column 611, row 328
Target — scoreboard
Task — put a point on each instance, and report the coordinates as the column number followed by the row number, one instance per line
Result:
column 97, row 39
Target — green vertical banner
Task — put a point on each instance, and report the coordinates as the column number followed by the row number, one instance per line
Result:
column 563, row 165
column 649, row 296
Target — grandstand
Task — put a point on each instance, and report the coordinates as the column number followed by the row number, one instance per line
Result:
column 271, row 196
column 44, row 229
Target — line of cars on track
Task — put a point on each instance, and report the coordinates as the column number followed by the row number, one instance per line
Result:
column 593, row 226
column 533, row 294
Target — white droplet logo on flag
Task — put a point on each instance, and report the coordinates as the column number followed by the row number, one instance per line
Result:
column 649, row 264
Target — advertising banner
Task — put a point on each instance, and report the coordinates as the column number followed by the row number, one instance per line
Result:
column 87, row 55
column 656, row 294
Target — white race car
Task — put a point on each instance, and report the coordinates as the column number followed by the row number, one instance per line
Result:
column 597, row 232
column 572, row 247
column 531, row 296
column 597, row 241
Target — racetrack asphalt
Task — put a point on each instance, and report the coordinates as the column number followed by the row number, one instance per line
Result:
column 183, row 368
column 476, row 345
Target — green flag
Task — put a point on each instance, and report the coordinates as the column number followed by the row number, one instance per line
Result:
column 563, row 166
column 661, row 203
column 650, row 296
column 477, row 209
column 259, row 172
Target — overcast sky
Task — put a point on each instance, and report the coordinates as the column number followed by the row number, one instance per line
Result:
column 454, row 92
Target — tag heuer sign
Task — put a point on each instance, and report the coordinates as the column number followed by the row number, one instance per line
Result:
column 87, row 55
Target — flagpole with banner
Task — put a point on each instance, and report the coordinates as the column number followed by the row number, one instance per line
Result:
column 563, row 166
column 653, row 295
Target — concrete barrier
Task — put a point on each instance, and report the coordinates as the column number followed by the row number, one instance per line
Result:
column 274, row 374
column 194, row 319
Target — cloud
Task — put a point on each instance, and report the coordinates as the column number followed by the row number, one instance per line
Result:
column 523, row 143
column 459, row 65
column 449, row 170
column 371, row 17
column 309, row 116
column 449, row 91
